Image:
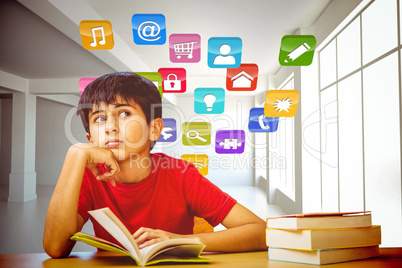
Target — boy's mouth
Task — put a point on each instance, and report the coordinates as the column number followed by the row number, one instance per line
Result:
column 113, row 143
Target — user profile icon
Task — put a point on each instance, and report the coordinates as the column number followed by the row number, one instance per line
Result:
column 224, row 57
column 224, row 52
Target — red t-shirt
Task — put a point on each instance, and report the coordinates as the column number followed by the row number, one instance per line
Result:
column 168, row 199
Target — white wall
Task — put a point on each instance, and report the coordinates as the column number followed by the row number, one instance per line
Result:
column 52, row 140
column 224, row 169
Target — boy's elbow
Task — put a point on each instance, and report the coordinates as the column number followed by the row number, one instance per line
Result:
column 56, row 250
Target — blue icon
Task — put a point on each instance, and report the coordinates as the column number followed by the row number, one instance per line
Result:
column 149, row 29
column 169, row 132
column 209, row 100
column 258, row 122
column 224, row 52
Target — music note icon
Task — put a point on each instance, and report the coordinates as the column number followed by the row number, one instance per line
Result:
column 102, row 41
column 96, row 34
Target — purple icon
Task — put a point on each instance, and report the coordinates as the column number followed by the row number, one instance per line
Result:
column 169, row 130
column 230, row 141
column 185, row 47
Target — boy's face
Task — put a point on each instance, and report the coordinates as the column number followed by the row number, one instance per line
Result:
column 120, row 127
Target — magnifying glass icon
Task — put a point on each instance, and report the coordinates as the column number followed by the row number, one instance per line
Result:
column 196, row 135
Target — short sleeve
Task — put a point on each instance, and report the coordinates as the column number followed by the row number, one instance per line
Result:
column 85, row 201
column 204, row 199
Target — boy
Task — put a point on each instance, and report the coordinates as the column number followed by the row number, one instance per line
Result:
column 156, row 196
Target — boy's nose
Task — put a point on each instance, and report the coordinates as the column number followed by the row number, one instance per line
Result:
column 112, row 125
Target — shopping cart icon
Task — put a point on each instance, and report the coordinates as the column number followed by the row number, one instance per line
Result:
column 183, row 49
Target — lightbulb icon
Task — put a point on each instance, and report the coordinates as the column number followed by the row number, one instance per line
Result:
column 209, row 100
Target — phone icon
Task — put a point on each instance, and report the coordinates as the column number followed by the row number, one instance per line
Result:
column 261, row 122
column 258, row 122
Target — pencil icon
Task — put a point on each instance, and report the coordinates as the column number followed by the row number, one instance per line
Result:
column 297, row 52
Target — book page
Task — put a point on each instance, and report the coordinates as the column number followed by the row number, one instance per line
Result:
column 116, row 228
column 181, row 253
column 150, row 251
column 97, row 239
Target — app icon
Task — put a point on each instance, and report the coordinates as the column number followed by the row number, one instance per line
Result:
column 96, row 34
column 155, row 78
column 209, row 100
column 169, row 132
column 174, row 80
column 243, row 78
column 200, row 161
column 281, row 103
column 84, row 82
column 230, row 141
column 185, row 47
column 196, row 133
column 297, row 50
column 224, row 52
column 258, row 122
column 149, row 29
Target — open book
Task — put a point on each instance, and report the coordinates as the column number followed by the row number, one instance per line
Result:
column 173, row 250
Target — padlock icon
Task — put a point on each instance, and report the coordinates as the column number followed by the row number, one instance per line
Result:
column 170, row 84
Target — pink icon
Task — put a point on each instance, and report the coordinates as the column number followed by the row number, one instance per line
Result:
column 185, row 47
column 84, row 82
column 174, row 80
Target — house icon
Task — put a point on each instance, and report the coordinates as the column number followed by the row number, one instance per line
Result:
column 242, row 80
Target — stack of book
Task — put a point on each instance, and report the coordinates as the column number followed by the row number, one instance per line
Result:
column 323, row 238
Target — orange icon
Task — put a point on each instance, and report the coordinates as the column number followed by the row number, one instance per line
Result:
column 96, row 34
column 281, row 103
column 200, row 161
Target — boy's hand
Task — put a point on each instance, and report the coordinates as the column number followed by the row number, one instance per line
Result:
column 94, row 156
column 147, row 236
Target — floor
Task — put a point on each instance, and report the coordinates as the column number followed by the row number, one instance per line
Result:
column 21, row 224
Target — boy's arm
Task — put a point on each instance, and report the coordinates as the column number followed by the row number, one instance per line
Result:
column 62, row 219
column 245, row 232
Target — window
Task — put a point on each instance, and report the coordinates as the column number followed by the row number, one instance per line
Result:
column 360, row 94
column 379, row 29
column 348, row 49
column 328, row 65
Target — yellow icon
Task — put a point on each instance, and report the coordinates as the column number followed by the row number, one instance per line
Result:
column 200, row 161
column 96, row 34
column 281, row 103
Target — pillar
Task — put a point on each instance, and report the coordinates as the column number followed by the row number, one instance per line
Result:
column 22, row 184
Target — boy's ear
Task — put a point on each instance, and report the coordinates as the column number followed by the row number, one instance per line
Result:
column 155, row 129
column 89, row 138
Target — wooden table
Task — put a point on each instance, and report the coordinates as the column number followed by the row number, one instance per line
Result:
column 390, row 258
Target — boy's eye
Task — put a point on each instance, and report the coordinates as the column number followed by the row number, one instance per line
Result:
column 100, row 119
column 124, row 114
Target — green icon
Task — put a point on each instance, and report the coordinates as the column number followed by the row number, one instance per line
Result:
column 196, row 133
column 155, row 78
column 297, row 50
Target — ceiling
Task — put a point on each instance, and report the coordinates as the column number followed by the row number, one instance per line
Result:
column 41, row 38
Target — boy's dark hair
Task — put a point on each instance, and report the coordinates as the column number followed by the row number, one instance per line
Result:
column 129, row 86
